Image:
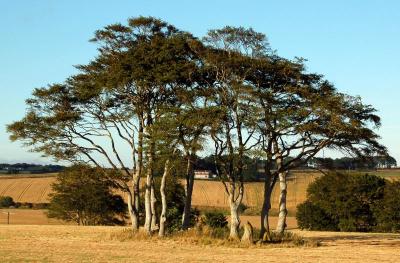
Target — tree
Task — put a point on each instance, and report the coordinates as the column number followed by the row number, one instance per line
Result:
column 109, row 108
column 300, row 114
column 229, row 63
column 154, row 61
column 153, row 91
column 82, row 195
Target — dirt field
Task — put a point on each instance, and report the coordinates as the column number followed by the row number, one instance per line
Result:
column 94, row 244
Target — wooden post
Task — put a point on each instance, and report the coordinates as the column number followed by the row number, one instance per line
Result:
column 8, row 217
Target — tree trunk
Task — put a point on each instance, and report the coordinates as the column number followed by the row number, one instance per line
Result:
column 163, row 216
column 248, row 234
column 280, row 228
column 147, row 200
column 188, row 196
column 132, row 213
column 136, row 180
column 234, row 201
column 269, row 184
column 235, row 221
column 154, row 226
column 265, row 234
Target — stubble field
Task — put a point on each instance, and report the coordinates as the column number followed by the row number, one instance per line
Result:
column 36, row 189
column 22, row 243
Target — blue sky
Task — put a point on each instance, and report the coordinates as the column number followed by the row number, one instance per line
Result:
column 354, row 43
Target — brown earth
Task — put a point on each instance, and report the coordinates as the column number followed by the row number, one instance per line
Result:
column 21, row 243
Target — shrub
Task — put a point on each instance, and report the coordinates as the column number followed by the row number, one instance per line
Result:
column 312, row 217
column 6, row 201
column 342, row 202
column 387, row 212
column 215, row 220
column 242, row 208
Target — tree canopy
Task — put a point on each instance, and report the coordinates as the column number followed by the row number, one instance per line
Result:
column 154, row 91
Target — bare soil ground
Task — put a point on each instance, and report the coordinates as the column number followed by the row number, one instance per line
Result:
column 22, row 243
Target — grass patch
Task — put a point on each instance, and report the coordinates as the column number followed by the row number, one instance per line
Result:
column 215, row 237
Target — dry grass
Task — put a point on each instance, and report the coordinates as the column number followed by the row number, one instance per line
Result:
column 213, row 237
column 38, row 217
column 102, row 244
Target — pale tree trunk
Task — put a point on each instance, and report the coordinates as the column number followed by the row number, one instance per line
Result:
column 234, row 202
column 163, row 216
column 153, row 201
column 188, row 195
column 235, row 221
column 138, row 174
column 280, row 228
column 248, row 234
column 147, row 196
column 149, row 193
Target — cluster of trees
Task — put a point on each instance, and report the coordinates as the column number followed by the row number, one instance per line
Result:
column 154, row 93
column 351, row 202
column 348, row 163
column 29, row 168
column 6, row 201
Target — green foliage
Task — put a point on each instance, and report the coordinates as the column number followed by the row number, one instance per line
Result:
column 349, row 199
column 344, row 202
column 6, row 201
column 388, row 210
column 313, row 217
column 215, row 220
column 83, row 195
column 174, row 218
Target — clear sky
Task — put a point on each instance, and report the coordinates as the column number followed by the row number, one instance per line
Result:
column 354, row 43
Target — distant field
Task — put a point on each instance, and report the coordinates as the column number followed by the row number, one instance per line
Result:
column 27, row 217
column 392, row 173
column 21, row 243
column 36, row 188
column 38, row 217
